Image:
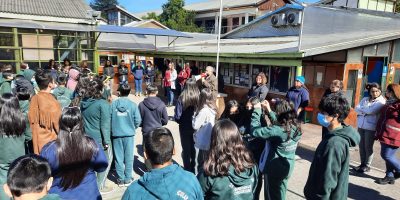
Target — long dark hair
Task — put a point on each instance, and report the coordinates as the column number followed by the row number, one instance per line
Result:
column 207, row 98
column 229, row 105
column 13, row 122
column 82, row 88
column 227, row 149
column 190, row 94
column 74, row 149
column 370, row 86
column 287, row 117
column 106, row 64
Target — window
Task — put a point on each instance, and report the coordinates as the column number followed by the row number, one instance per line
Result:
column 7, row 54
column 104, row 58
column 389, row 6
column 6, row 39
column 280, row 78
column 251, row 18
column 351, row 87
column 235, row 22
column 243, row 20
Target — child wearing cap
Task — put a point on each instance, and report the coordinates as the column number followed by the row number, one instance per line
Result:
column 299, row 96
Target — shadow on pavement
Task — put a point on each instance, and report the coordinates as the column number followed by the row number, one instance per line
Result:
column 360, row 192
column 353, row 172
column 305, row 153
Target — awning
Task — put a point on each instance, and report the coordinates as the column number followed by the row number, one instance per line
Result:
column 139, row 31
column 31, row 24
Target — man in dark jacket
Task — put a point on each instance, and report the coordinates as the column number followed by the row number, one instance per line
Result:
column 329, row 172
column 153, row 111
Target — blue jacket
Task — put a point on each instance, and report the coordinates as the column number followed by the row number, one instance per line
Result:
column 171, row 182
column 88, row 187
column 300, row 97
column 125, row 117
column 138, row 73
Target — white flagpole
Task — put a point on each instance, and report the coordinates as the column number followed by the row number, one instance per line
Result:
column 219, row 36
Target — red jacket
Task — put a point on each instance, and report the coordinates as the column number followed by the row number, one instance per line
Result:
column 183, row 75
column 388, row 126
column 167, row 77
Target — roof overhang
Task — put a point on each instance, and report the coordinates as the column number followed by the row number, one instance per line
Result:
column 140, row 31
column 31, row 24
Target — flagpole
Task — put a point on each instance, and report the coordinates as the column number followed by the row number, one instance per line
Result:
column 219, row 36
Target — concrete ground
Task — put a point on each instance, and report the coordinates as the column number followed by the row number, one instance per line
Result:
column 360, row 186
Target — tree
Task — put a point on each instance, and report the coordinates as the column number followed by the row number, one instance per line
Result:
column 151, row 15
column 100, row 5
column 397, row 6
column 176, row 17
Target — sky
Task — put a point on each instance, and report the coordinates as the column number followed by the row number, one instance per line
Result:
column 136, row 6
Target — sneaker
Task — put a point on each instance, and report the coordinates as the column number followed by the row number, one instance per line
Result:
column 358, row 167
column 128, row 182
column 106, row 189
column 386, row 180
column 363, row 169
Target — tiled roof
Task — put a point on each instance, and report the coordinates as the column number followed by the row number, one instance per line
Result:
column 54, row 8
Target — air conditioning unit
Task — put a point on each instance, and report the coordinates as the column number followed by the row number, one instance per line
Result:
column 294, row 18
column 278, row 19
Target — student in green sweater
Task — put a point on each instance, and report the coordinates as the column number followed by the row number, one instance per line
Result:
column 125, row 119
column 12, row 139
column 329, row 172
column 23, row 98
column 97, row 122
column 282, row 136
column 5, row 85
column 30, row 178
column 63, row 94
column 165, row 180
column 229, row 169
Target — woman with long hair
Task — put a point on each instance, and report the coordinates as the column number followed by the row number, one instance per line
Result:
column 229, row 169
column 203, row 121
column 12, row 139
column 260, row 88
column 283, row 137
column 368, row 112
column 169, row 83
column 96, row 114
column 387, row 132
column 74, row 158
column 184, row 111
column 232, row 111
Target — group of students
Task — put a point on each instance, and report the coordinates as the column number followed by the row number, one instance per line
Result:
column 224, row 157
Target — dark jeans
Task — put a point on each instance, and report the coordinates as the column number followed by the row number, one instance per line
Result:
column 388, row 154
column 188, row 150
column 170, row 95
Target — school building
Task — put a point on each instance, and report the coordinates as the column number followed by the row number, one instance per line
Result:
column 323, row 42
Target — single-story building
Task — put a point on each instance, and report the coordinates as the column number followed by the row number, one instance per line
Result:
column 321, row 42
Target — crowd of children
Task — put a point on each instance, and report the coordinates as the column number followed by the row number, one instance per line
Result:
column 60, row 131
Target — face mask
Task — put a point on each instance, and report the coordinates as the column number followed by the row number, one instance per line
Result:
column 322, row 120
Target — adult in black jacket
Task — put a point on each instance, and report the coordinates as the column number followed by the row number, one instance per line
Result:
column 123, row 72
column 259, row 89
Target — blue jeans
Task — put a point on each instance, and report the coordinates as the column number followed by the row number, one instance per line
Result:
column 388, row 154
column 138, row 86
column 170, row 95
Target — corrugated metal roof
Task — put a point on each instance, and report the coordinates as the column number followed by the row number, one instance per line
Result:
column 20, row 23
column 55, row 8
column 248, row 46
column 139, row 31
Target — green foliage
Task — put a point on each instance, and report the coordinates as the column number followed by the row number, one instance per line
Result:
column 397, row 6
column 176, row 17
column 151, row 15
column 102, row 4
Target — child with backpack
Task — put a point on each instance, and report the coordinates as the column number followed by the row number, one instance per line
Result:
column 125, row 118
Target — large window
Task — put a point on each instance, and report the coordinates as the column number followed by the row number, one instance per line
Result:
column 380, row 5
column 279, row 78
